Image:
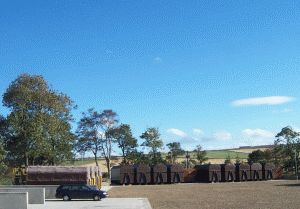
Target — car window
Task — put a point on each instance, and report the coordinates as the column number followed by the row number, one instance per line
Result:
column 85, row 188
column 65, row 187
column 74, row 188
column 92, row 188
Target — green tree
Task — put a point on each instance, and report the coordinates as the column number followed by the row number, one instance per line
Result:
column 138, row 157
column 3, row 132
column 152, row 140
column 125, row 140
column 287, row 147
column 258, row 156
column 200, row 154
column 237, row 159
column 94, row 134
column 175, row 151
column 3, row 166
column 39, row 122
column 228, row 159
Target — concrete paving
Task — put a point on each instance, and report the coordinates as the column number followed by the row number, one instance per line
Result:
column 107, row 203
column 13, row 200
column 35, row 195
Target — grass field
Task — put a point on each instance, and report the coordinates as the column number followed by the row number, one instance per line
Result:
column 222, row 154
column 245, row 195
column 214, row 156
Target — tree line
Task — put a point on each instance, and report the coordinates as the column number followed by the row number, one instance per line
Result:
column 38, row 131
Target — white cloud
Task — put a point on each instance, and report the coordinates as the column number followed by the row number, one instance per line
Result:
column 257, row 133
column 285, row 110
column 157, row 60
column 222, row 135
column 272, row 100
column 197, row 132
column 177, row 132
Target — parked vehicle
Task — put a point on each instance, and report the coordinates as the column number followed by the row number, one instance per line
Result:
column 82, row 191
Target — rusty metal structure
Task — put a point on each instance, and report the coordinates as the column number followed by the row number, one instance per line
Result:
column 228, row 172
column 175, row 173
column 208, row 173
column 115, row 174
column 243, row 172
column 256, row 173
column 268, row 171
column 56, row 175
column 143, row 174
column 159, row 174
column 127, row 174
column 189, row 175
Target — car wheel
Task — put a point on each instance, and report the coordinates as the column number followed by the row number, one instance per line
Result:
column 96, row 198
column 66, row 198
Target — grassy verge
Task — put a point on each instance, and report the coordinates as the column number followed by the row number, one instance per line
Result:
column 5, row 180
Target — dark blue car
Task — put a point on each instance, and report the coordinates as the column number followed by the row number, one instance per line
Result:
column 68, row 192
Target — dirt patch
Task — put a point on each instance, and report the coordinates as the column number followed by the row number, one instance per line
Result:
column 246, row 195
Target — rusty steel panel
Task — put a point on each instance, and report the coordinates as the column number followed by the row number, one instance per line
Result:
column 256, row 173
column 243, row 172
column 127, row 174
column 159, row 174
column 54, row 175
column 208, row 173
column 143, row 174
column 175, row 173
column 268, row 171
column 228, row 172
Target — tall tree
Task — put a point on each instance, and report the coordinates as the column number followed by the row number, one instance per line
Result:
column 153, row 141
column 89, row 135
column 227, row 159
column 39, row 122
column 3, row 135
column 175, row 150
column 94, row 134
column 287, row 147
column 126, row 142
column 238, row 159
column 200, row 154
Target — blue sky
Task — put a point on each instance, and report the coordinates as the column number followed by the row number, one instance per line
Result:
column 170, row 64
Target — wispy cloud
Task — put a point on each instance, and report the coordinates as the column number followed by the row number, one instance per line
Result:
column 222, row 135
column 257, row 133
column 157, row 60
column 272, row 100
column 177, row 132
column 285, row 110
column 197, row 132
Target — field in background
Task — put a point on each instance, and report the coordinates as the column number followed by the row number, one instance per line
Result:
column 222, row 154
column 214, row 156
column 248, row 150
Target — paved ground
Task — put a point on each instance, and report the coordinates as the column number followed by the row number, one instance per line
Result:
column 245, row 195
column 108, row 203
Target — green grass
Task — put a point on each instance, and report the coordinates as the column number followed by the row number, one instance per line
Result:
column 222, row 154
column 5, row 180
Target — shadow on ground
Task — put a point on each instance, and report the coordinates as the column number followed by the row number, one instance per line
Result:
column 289, row 185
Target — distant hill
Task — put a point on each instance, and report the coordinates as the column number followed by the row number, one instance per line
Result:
column 214, row 156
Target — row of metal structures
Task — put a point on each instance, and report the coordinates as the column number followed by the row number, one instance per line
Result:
column 145, row 174
column 57, row 175
column 237, row 172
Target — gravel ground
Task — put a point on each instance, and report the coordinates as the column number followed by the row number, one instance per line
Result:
column 245, row 195
column 107, row 203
